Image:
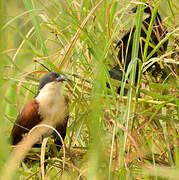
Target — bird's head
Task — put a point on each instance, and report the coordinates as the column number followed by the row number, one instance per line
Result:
column 147, row 13
column 51, row 79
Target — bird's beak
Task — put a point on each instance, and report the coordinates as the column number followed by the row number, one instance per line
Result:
column 133, row 10
column 62, row 78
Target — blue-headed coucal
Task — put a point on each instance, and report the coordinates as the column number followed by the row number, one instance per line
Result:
column 49, row 106
column 158, row 33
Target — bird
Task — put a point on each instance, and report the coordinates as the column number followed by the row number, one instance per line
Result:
column 49, row 106
column 159, row 32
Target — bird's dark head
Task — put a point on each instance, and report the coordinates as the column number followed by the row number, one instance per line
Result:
column 148, row 13
column 147, row 9
column 51, row 78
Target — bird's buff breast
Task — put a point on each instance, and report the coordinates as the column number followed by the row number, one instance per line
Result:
column 52, row 105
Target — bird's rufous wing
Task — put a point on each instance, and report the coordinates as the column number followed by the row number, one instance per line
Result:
column 27, row 119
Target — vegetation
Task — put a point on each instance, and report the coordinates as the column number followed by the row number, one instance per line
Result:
column 109, row 136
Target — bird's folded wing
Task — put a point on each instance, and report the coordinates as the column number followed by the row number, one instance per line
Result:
column 28, row 118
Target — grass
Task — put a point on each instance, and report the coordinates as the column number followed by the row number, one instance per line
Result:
column 109, row 136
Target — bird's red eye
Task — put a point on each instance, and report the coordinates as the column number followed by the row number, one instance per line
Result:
column 52, row 77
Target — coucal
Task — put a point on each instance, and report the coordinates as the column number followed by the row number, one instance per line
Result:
column 159, row 31
column 49, row 106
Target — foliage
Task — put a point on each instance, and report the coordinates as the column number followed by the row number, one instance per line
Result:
column 109, row 136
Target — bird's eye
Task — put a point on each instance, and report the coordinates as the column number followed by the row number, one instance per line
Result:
column 52, row 77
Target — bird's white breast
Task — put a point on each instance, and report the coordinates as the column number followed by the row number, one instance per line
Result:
column 52, row 105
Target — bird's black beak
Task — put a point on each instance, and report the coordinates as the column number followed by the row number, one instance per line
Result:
column 133, row 10
column 62, row 78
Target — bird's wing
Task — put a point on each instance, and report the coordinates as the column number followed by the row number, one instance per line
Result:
column 125, row 38
column 116, row 73
column 27, row 119
column 61, row 128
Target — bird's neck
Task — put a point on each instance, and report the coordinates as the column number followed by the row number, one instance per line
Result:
column 158, row 19
column 52, row 103
column 50, row 91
